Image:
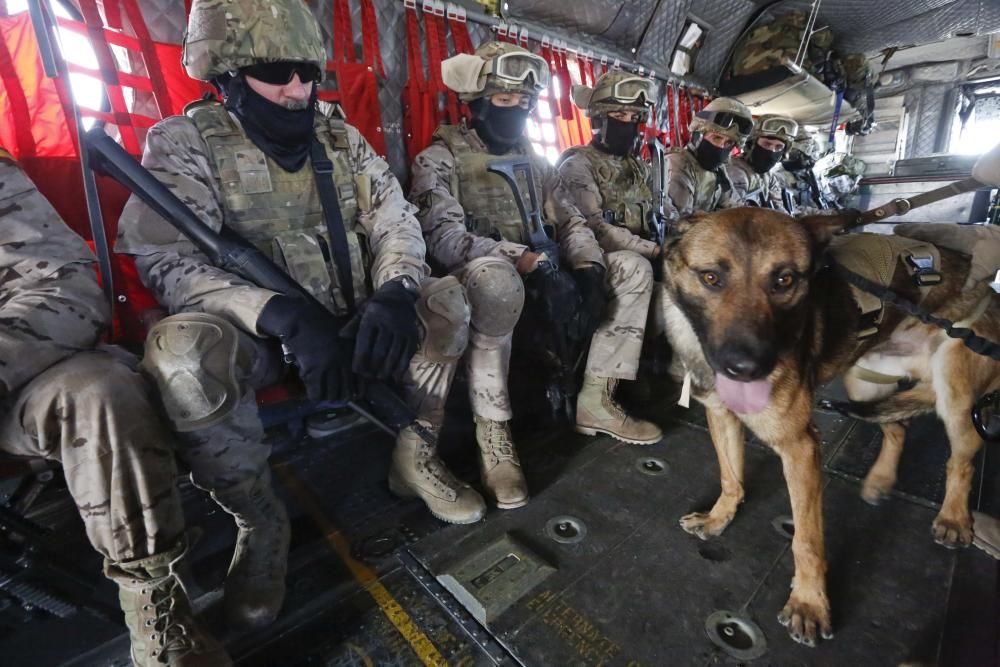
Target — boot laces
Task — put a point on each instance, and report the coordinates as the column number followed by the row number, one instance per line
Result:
column 498, row 443
column 435, row 470
column 609, row 402
column 176, row 639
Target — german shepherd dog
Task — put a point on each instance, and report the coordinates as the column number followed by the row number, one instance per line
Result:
column 759, row 322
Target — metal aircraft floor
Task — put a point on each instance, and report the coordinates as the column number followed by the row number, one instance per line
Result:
column 602, row 574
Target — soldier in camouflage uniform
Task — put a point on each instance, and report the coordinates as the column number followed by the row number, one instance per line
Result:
column 246, row 164
column 64, row 398
column 470, row 221
column 753, row 175
column 696, row 180
column 607, row 182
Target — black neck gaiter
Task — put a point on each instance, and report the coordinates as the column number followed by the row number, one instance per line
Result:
column 710, row 156
column 617, row 137
column 500, row 128
column 761, row 160
column 284, row 135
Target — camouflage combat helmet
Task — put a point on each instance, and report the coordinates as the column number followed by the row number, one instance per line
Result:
column 725, row 116
column 777, row 127
column 495, row 67
column 226, row 35
column 616, row 90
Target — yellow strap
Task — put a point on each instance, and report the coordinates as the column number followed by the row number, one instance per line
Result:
column 868, row 375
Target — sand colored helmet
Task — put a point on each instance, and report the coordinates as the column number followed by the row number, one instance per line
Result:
column 616, row 90
column 226, row 35
column 725, row 116
column 495, row 67
column 777, row 127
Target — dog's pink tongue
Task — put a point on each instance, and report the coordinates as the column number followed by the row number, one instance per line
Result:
column 745, row 398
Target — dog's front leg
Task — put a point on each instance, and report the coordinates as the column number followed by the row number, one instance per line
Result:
column 727, row 436
column 807, row 612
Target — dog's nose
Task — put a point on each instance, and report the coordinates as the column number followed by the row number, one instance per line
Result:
column 742, row 366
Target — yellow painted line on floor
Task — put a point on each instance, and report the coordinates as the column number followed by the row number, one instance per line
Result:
column 364, row 575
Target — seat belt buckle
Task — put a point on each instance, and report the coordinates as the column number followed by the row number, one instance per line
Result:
column 924, row 273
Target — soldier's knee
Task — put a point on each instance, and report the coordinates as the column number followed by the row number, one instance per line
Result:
column 630, row 269
column 192, row 358
column 496, row 295
column 444, row 311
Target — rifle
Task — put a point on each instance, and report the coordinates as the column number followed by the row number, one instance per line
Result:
column 230, row 252
column 562, row 391
column 656, row 221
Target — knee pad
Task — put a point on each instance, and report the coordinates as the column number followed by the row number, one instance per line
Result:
column 496, row 295
column 192, row 359
column 444, row 312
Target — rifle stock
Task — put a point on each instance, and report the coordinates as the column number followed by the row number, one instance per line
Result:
column 230, row 252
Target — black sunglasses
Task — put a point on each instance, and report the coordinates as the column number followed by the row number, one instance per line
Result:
column 726, row 120
column 281, row 72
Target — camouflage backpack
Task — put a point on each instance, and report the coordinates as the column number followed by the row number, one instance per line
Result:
column 767, row 45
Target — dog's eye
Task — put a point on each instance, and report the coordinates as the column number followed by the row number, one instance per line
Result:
column 785, row 282
column 711, row 278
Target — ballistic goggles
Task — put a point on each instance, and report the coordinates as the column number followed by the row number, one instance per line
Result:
column 726, row 120
column 783, row 128
column 281, row 72
column 628, row 92
column 515, row 68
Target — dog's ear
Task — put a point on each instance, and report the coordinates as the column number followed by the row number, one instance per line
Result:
column 689, row 221
column 823, row 227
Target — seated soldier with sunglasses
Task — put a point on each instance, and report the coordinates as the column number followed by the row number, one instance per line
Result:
column 695, row 177
column 259, row 163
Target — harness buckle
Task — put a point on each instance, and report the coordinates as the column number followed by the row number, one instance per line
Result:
column 924, row 273
column 324, row 167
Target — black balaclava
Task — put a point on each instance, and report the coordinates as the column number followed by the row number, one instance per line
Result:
column 710, row 156
column 762, row 160
column 500, row 128
column 284, row 135
column 616, row 136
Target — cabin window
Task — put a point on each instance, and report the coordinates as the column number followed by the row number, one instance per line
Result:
column 691, row 39
column 977, row 120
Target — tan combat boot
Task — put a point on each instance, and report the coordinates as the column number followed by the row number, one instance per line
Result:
column 498, row 464
column 597, row 412
column 416, row 471
column 255, row 583
column 158, row 614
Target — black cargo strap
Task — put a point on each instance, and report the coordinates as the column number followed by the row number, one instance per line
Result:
column 977, row 344
column 323, row 171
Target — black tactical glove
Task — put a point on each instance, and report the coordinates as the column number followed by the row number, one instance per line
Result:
column 388, row 335
column 308, row 332
column 590, row 282
column 554, row 291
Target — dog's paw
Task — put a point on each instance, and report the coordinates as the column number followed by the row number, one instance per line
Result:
column 951, row 533
column 807, row 618
column 876, row 488
column 704, row 525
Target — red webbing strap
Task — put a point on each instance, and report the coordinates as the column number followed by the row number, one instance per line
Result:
column 150, row 58
column 343, row 32
column 113, row 14
column 581, row 64
column 437, row 50
column 550, row 59
column 671, row 116
column 369, row 36
column 20, row 112
column 686, row 114
column 565, row 101
column 460, row 36
column 418, row 111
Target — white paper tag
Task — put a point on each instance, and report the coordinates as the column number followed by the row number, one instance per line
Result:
column 685, row 400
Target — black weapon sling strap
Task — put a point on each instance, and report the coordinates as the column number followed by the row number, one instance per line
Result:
column 323, row 171
column 977, row 344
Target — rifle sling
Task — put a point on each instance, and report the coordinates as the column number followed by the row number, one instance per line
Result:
column 323, row 172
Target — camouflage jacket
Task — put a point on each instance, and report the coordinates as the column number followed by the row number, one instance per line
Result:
column 600, row 182
column 50, row 303
column 691, row 188
column 765, row 189
column 437, row 191
column 181, row 156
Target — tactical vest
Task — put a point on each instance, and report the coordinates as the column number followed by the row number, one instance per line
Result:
column 489, row 205
column 749, row 187
column 708, row 185
column 623, row 183
column 280, row 211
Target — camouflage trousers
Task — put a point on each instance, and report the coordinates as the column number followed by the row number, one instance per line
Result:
column 96, row 415
column 617, row 344
column 234, row 450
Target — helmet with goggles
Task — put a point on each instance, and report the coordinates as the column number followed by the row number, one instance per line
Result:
column 616, row 91
column 777, row 127
column 724, row 116
column 495, row 67
column 228, row 35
